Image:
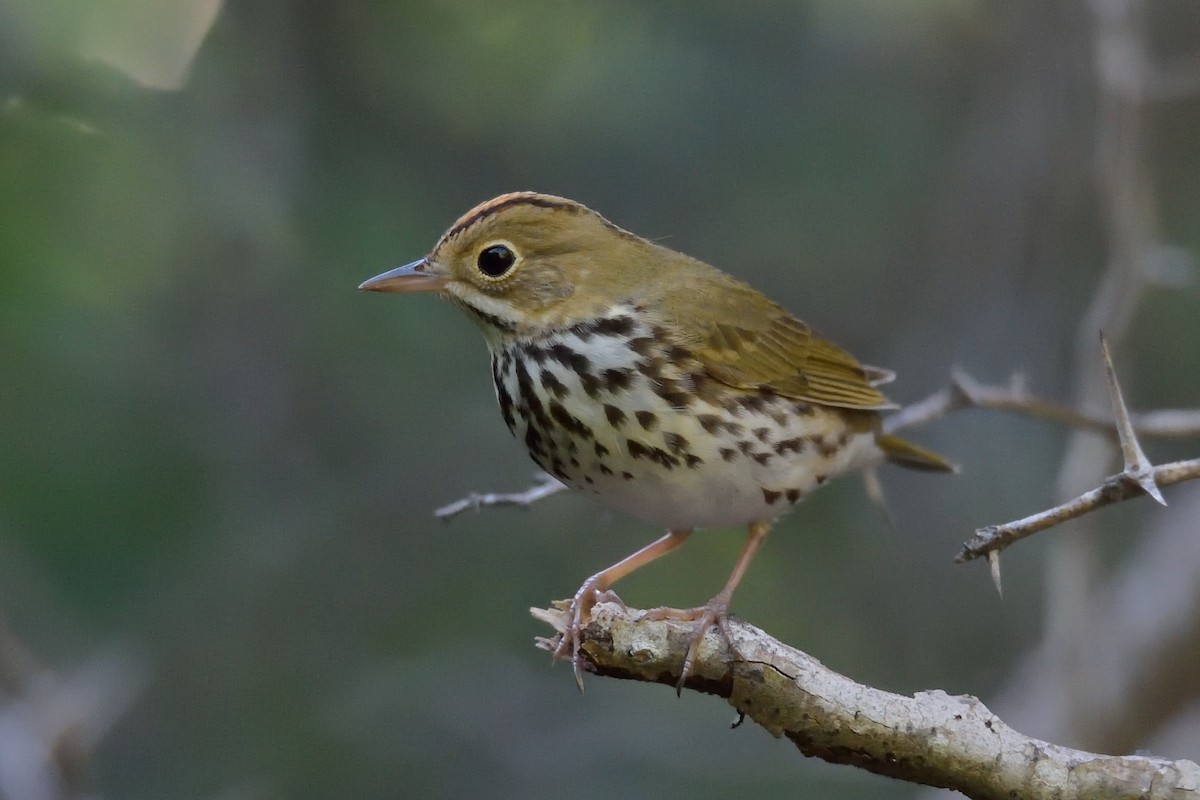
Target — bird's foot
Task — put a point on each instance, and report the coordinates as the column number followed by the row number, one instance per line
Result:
column 579, row 613
column 714, row 612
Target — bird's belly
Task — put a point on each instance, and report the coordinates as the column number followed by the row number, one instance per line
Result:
column 755, row 483
column 647, row 443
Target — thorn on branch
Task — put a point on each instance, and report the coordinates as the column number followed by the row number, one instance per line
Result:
column 1140, row 476
column 993, row 558
column 1137, row 466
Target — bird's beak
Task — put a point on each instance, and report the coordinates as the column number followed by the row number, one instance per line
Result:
column 412, row 277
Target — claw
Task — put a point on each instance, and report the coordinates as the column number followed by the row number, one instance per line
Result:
column 595, row 590
column 714, row 612
column 570, row 642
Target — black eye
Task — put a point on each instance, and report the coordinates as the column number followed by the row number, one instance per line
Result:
column 496, row 260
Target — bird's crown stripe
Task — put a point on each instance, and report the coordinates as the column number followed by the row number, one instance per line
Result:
column 482, row 212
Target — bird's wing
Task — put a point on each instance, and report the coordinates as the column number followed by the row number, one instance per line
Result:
column 746, row 341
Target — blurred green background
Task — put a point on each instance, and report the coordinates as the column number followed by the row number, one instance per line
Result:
column 218, row 460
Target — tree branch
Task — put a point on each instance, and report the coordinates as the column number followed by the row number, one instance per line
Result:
column 546, row 485
column 965, row 392
column 1116, row 488
column 930, row 738
column 51, row 724
column 1138, row 477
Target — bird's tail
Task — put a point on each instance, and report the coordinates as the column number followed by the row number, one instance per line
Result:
column 906, row 454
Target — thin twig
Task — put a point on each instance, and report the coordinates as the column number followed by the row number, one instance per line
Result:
column 1139, row 476
column 546, row 485
column 1116, row 488
column 965, row 392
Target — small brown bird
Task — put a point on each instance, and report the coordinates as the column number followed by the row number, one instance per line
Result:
column 657, row 383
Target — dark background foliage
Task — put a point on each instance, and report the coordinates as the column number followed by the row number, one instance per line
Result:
column 218, row 460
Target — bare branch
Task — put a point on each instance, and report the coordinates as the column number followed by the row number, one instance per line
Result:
column 965, row 392
column 1075, row 669
column 51, row 723
column 1140, row 650
column 546, row 485
column 1138, row 476
column 930, row 738
column 1116, row 488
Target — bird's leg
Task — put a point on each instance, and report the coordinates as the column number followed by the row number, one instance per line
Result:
column 716, row 610
column 595, row 588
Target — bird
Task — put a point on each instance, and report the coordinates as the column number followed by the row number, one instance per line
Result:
column 656, row 383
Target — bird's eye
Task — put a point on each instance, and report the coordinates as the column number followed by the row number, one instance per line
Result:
column 496, row 260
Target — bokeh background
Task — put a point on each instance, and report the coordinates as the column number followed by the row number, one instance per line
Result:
column 219, row 572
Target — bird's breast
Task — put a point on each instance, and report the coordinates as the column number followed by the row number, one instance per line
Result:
column 617, row 408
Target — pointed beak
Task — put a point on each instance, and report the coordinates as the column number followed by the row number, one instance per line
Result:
column 412, row 277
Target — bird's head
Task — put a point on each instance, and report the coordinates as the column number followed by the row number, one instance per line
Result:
column 525, row 262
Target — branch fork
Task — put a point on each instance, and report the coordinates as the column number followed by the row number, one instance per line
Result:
column 1139, row 476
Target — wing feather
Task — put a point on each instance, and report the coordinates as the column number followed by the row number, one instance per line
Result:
column 746, row 341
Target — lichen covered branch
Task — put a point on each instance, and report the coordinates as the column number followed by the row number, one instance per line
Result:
column 930, row 738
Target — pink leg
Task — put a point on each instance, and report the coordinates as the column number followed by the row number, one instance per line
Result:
column 596, row 587
column 716, row 610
